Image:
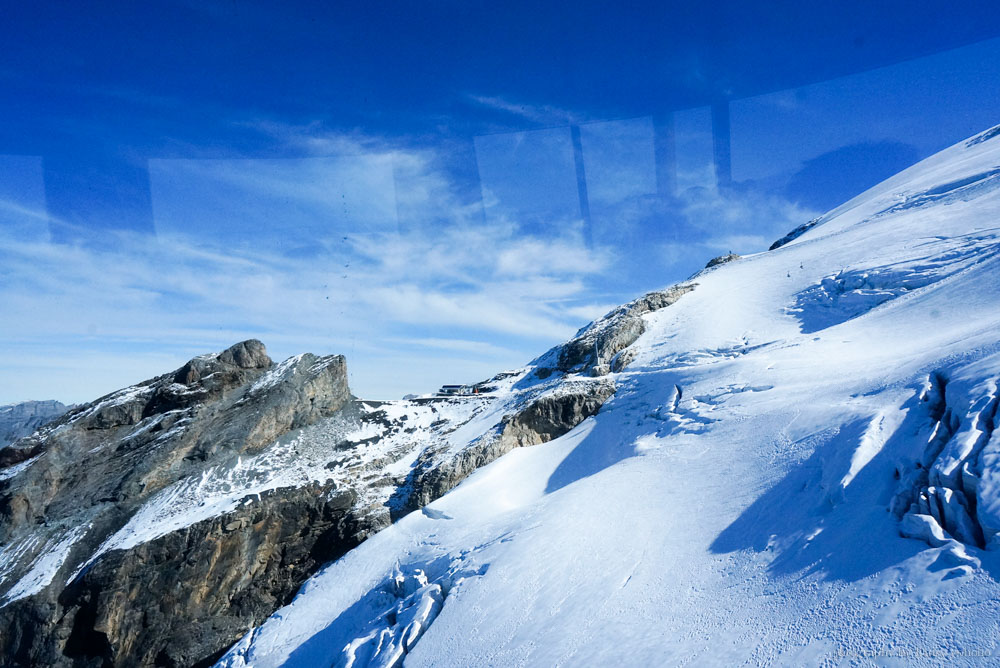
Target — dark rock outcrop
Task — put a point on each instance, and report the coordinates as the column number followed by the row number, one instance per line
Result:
column 722, row 259
column 795, row 234
column 233, row 572
column 984, row 136
column 547, row 417
column 20, row 420
column 75, row 493
column 180, row 599
column 595, row 347
column 183, row 597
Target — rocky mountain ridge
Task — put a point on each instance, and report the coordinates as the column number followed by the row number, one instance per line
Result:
column 156, row 525
column 24, row 418
column 73, row 484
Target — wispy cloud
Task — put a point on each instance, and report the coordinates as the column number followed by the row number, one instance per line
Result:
column 382, row 295
column 363, row 247
column 542, row 114
column 175, row 294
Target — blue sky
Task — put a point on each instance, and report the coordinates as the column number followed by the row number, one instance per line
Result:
column 438, row 192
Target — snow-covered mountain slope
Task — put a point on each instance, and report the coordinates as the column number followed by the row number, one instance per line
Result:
column 158, row 524
column 799, row 467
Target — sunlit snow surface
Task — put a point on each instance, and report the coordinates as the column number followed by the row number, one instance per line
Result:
column 731, row 504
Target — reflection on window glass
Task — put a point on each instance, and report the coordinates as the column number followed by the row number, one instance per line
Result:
column 163, row 194
column 288, row 205
column 529, row 179
column 821, row 144
column 693, row 146
column 620, row 171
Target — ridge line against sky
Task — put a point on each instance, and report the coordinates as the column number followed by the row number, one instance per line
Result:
column 386, row 246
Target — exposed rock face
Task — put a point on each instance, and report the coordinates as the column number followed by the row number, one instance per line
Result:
column 20, row 420
column 544, row 419
column 984, row 136
column 236, row 569
column 795, row 234
column 722, row 259
column 550, row 416
column 106, row 559
column 596, row 347
column 180, row 599
column 183, row 597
